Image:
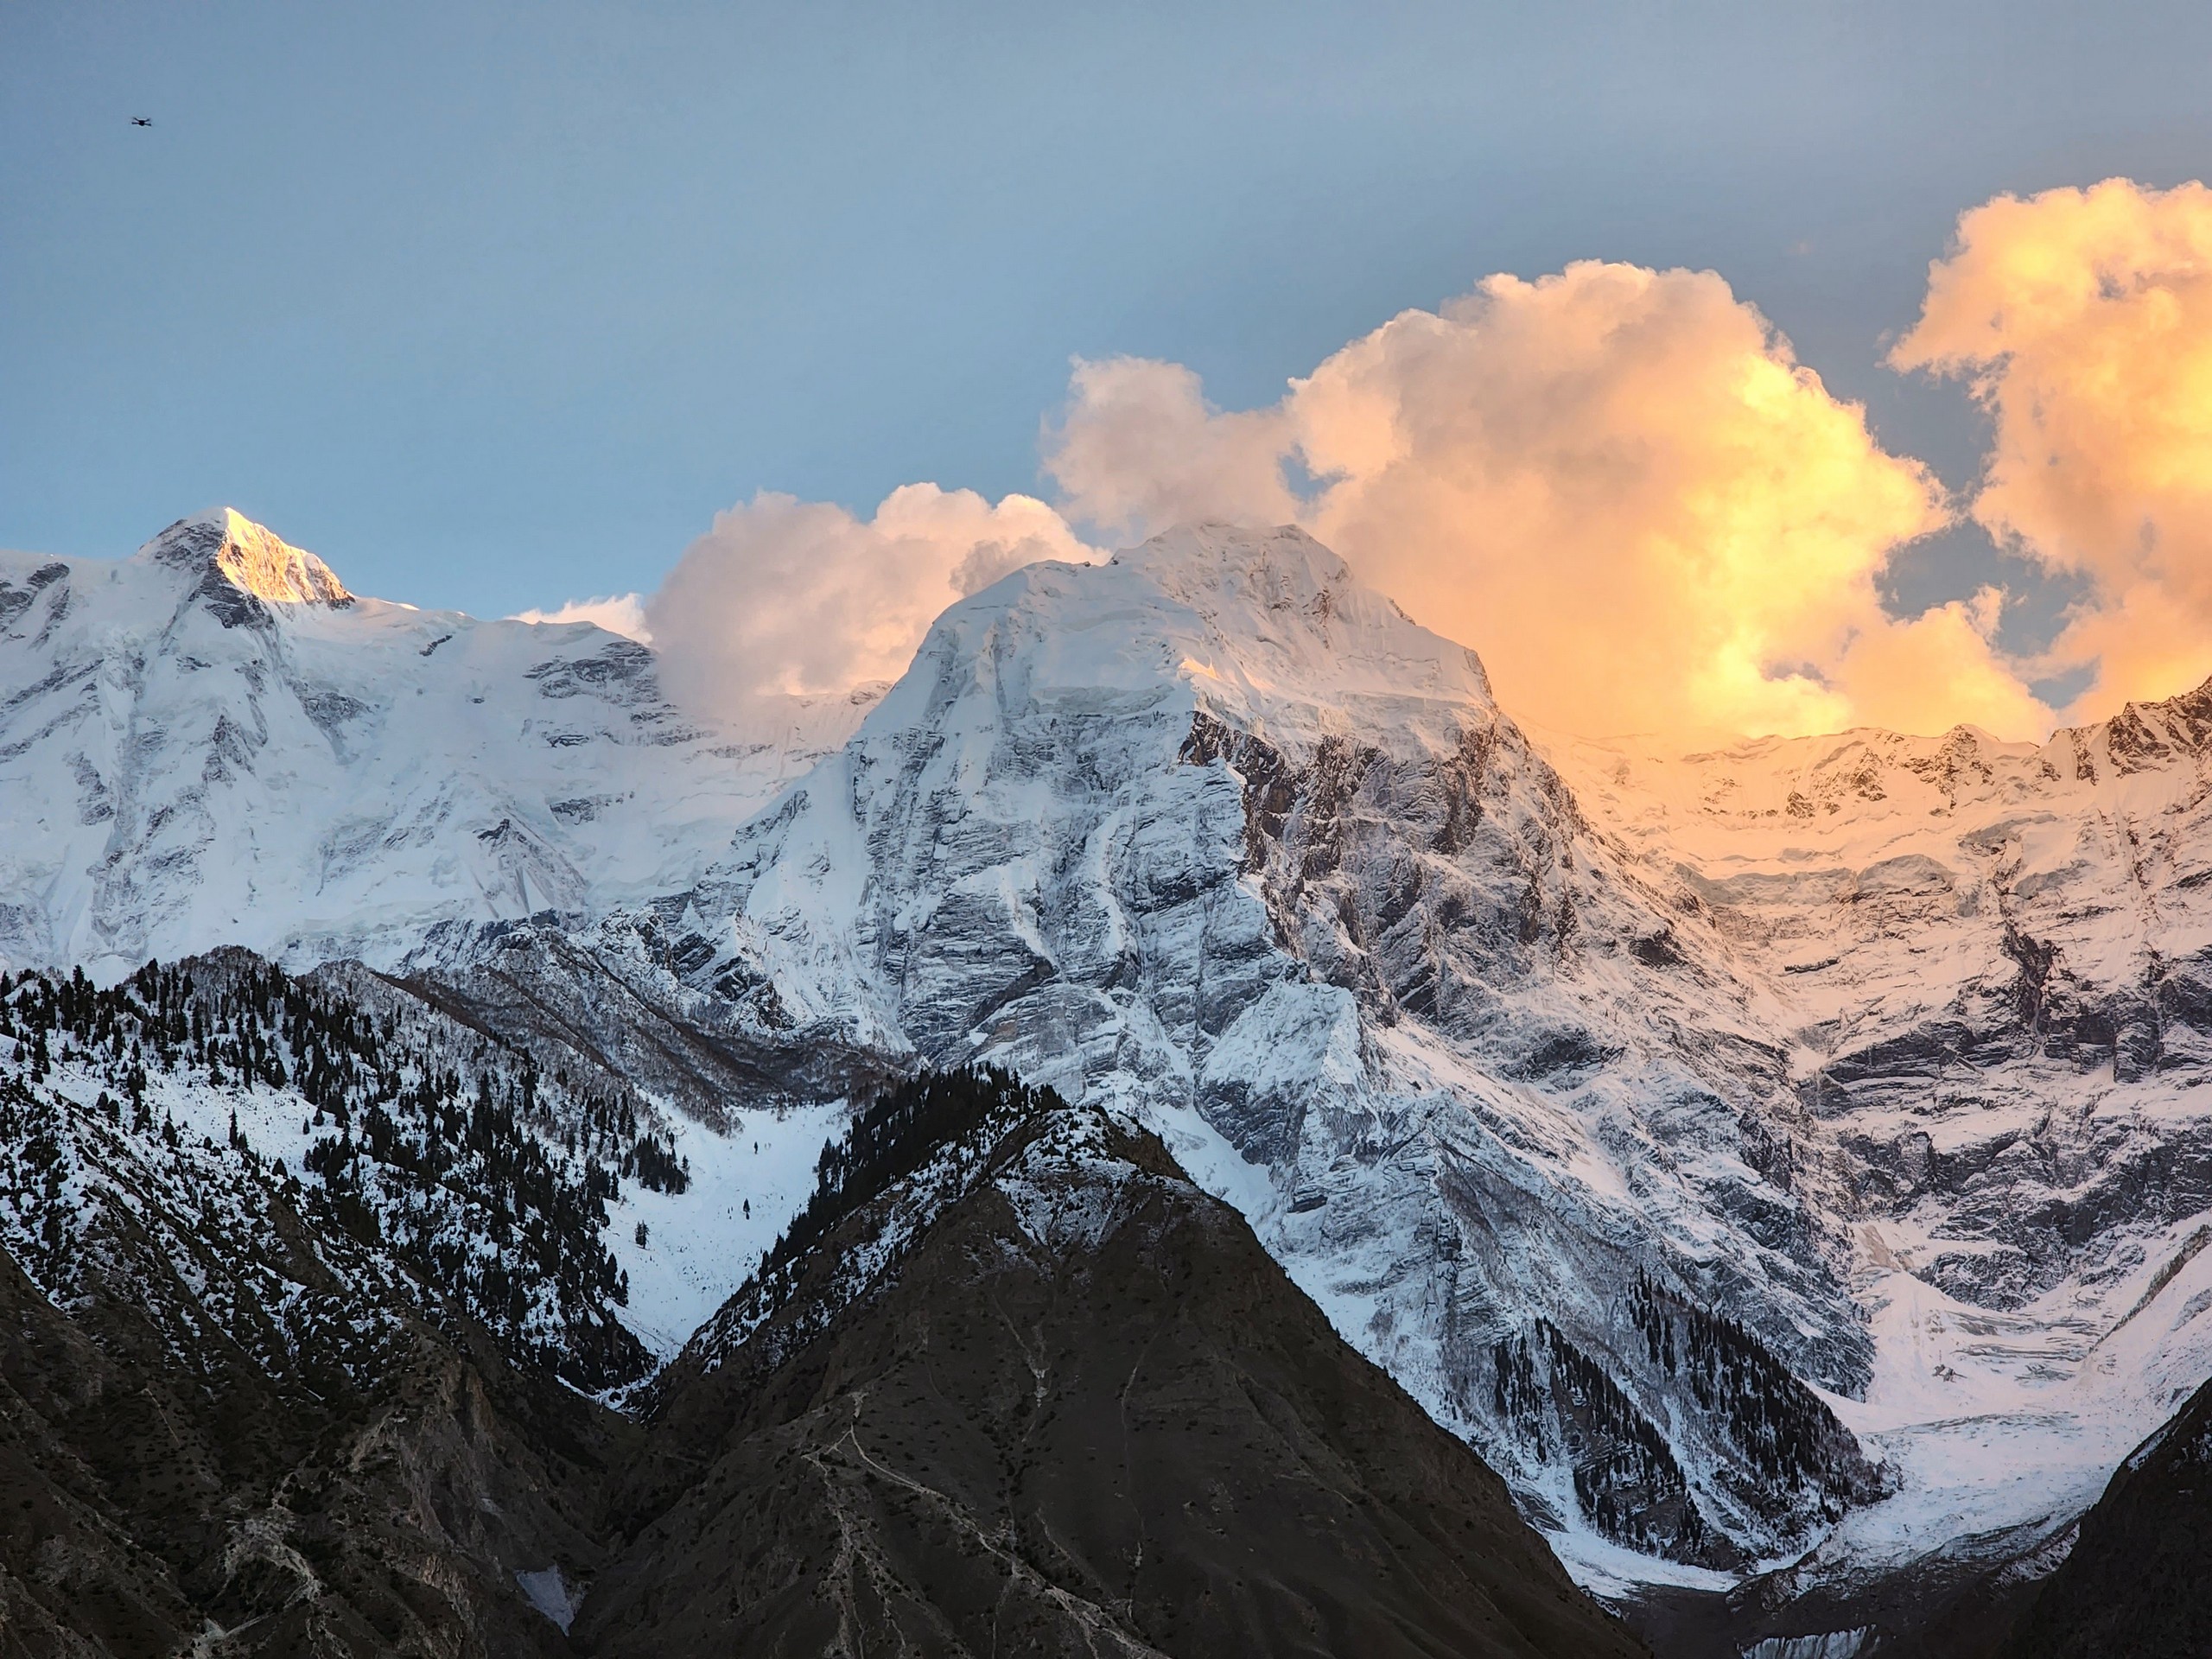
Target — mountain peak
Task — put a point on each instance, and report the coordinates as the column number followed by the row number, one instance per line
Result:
column 252, row 559
column 1304, row 617
column 1275, row 564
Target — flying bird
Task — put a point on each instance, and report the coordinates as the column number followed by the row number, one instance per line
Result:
column 140, row 121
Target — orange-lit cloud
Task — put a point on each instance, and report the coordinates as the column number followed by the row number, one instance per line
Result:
column 1141, row 449
column 786, row 596
column 1939, row 669
column 1617, row 484
column 2083, row 319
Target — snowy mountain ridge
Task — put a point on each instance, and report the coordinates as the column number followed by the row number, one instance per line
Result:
column 214, row 743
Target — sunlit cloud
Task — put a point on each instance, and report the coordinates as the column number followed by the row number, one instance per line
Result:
column 1617, row 484
column 1939, row 669
column 1140, row 448
column 787, row 597
column 2082, row 319
column 623, row 613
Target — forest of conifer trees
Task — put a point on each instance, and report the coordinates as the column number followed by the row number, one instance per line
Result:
column 447, row 1148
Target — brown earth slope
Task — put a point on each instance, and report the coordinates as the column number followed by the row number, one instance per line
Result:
column 173, row 1482
column 1086, row 1414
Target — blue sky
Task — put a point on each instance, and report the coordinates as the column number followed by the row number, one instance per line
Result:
column 495, row 305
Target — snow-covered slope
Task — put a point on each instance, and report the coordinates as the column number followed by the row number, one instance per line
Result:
column 1991, row 967
column 213, row 742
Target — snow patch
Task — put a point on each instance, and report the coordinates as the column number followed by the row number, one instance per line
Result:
column 703, row 1243
column 548, row 1590
column 1833, row 1644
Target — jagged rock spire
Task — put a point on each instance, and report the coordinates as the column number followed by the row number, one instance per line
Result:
column 250, row 557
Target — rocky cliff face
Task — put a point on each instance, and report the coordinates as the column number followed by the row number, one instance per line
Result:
column 1953, row 924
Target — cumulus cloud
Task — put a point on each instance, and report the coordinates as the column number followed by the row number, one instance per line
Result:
column 1939, row 669
column 1140, row 448
column 623, row 613
column 790, row 597
column 1617, row 484
column 2082, row 320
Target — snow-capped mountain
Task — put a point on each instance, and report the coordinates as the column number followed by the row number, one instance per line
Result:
column 1990, row 967
column 1792, row 1148
column 1214, row 836
column 214, row 743
column 1542, row 1079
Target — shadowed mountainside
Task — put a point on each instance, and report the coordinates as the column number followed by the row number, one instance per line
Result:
column 1013, row 1383
column 1086, row 1414
column 2140, row 1579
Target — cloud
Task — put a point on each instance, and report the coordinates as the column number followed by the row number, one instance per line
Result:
column 1617, row 484
column 623, row 613
column 1141, row 450
column 2082, row 320
column 790, row 597
column 1939, row 669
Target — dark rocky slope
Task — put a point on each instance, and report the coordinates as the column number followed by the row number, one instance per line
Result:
column 1081, row 1411
column 2139, row 1581
column 164, row 1498
column 1012, row 1384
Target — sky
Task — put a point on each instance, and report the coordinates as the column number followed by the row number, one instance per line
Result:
column 499, row 306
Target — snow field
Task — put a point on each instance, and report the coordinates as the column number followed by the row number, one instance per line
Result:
column 701, row 1244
